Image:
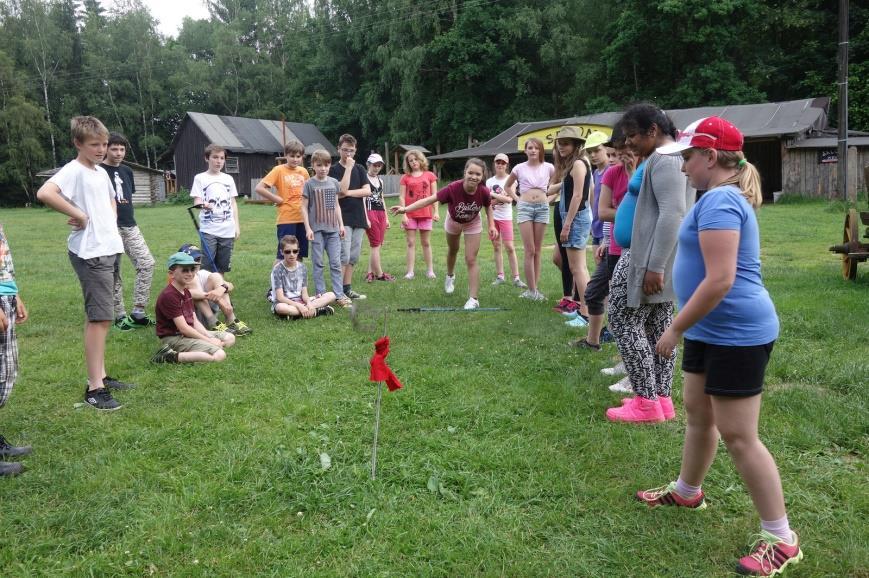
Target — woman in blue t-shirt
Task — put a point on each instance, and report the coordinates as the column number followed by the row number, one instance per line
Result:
column 729, row 324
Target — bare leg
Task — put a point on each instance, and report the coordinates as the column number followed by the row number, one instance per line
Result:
column 579, row 270
column 499, row 260
column 526, row 230
column 472, row 248
column 736, row 418
column 511, row 257
column 201, row 356
column 95, row 333
column 539, row 231
column 452, row 252
column 374, row 262
column 425, row 241
column 323, row 300
column 701, row 436
column 410, row 236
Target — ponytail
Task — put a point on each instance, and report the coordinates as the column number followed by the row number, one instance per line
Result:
column 747, row 178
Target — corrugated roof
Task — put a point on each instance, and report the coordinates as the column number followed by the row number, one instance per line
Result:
column 772, row 119
column 253, row 135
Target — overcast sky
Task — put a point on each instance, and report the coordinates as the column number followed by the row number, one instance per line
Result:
column 170, row 13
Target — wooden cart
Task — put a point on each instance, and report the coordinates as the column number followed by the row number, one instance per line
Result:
column 853, row 249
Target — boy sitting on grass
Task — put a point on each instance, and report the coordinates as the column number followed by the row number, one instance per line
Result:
column 290, row 298
column 211, row 292
column 184, row 338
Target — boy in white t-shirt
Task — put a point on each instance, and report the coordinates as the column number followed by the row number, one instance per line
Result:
column 504, row 221
column 215, row 191
column 83, row 191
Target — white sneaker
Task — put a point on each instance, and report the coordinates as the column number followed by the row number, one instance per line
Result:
column 538, row 296
column 622, row 386
column 409, row 276
column 449, row 284
column 498, row 281
column 519, row 283
column 472, row 303
column 526, row 295
column 619, row 369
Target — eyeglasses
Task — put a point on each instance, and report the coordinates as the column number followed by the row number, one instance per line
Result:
column 291, row 251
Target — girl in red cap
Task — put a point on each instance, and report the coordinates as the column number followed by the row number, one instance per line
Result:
column 729, row 325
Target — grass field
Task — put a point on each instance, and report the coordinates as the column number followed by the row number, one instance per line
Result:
column 495, row 459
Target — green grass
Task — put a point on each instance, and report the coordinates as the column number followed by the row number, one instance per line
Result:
column 495, row 459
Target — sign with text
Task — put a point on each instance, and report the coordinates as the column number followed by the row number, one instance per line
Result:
column 828, row 156
column 547, row 135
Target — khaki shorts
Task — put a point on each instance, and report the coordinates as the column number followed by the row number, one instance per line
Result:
column 183, row 344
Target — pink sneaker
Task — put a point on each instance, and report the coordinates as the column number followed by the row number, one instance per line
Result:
column 638, row 410
column 666, row 406
column 369, row 278
column 769, row 556
column 666, row 496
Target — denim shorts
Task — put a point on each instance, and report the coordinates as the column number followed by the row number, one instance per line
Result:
column 534, row 212
column 579, row 229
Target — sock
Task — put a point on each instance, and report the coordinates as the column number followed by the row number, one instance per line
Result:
column 138, row 312
column 779, row 528
column 346, row 289
column 500, row 275
column 686, row 491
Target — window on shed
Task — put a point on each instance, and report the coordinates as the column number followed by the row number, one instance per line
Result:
column 231, row 165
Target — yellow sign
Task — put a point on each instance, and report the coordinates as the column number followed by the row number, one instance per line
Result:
column 547, row 135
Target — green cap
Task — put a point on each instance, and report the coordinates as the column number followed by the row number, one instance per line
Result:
column 595, row 139
column 180, row 259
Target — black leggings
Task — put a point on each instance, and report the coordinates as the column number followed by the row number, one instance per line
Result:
column 566, row 275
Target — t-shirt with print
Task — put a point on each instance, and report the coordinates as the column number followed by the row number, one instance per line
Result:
column 536, row 177
column 416, row 188
column 90, row 190
column 216, row 192
column 746, row 316
column 121, row 177
column 288, row 181
column 290, row 281
column 375, row 201
column 500, row 211
column 464, row 208
column 616, row 178
column 7, row 269
column 322, row 199
column 172, row 303
column 352, row 208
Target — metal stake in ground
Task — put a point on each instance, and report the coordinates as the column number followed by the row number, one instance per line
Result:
column 377, row 399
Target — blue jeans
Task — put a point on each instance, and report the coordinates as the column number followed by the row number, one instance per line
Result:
column 329, row 241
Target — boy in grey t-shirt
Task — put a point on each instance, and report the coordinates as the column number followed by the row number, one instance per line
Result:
column 324, row 225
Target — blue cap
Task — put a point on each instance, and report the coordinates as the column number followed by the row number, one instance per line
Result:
column 191, row 250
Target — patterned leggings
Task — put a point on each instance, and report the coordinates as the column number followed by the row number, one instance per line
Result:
column 143, row 263
column 8, row 349
column 637, row 331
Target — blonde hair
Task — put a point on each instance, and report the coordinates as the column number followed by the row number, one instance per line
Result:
column 541, row 154
column 747, row 178
column 563, row 165
column 423, row 162
column 84, row 127
column 321, row 157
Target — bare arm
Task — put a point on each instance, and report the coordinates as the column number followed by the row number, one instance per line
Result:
column 510, row 187
column 265, row 191
column 235, row 218
column 605, row 210
column 414, row 206
column 50, row 195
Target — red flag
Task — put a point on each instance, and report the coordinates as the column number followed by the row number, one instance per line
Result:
column 380, row 371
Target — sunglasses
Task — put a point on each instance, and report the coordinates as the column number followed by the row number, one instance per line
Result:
column 187, row 269
column 291, row 251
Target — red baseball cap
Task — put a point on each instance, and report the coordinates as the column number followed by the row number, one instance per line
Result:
column 712, row 132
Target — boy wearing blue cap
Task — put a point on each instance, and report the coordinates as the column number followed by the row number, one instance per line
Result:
column 184, row 338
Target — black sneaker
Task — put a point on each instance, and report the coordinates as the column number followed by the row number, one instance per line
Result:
column 101, row 399
column 10, row 468
column 326, row 310
column 113, row 383
column 143, row 321
column 7, row 450
column 165, row 355
column 584, row 344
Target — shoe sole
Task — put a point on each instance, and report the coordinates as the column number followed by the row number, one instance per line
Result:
column 15, row 454
column 701, row 506
column 105, row 408
column 743, row 571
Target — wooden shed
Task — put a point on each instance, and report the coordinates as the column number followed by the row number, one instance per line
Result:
column 150, row 184
column 810, row 166
column 252, row 145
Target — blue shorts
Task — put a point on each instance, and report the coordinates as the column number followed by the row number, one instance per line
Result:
column 534, row 212
column 579, row 229
column 297, row 230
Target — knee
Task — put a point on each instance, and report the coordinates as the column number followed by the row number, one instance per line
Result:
column 737, row 442
column 471, row 260
column 147, row 264
column 229, row 340
column 219, row 355
column 411, row 243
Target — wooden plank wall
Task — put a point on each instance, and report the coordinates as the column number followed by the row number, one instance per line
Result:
column 802, row 174
column 150, row 187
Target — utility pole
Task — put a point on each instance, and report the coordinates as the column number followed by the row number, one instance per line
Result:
column 842, row 165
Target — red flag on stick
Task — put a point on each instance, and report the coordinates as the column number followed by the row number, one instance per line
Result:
column 380, row 370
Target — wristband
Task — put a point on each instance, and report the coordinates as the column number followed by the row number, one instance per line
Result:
column 225, row 288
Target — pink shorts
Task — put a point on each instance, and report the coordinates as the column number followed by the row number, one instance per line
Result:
column 414, row 224
column 505, row 229
column 377, row 230
column 475, row 227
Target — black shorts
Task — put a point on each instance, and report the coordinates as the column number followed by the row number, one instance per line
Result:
column 731, row 370
column 298, row 231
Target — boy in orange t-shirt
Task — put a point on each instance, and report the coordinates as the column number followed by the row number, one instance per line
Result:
column 288, row 179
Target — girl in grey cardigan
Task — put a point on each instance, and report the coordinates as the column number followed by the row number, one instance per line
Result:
column 641, row 296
